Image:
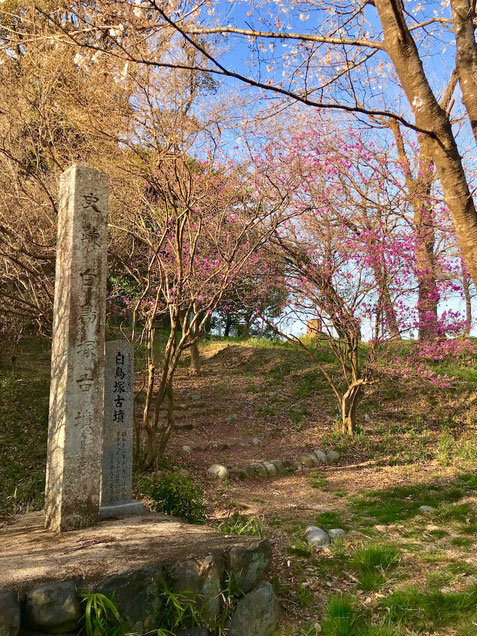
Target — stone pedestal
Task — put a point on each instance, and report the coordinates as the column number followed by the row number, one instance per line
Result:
column 77, row 362
column 116, row 483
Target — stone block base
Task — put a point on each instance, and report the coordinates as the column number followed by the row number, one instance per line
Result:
column 138, row 562
column 118, row 511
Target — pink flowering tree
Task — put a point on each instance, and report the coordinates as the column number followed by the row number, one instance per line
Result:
column 350, row 257
column 198, row 232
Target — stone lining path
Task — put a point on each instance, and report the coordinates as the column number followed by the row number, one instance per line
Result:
column 275, row 467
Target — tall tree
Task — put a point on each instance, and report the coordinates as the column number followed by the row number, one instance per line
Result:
column 338, row 64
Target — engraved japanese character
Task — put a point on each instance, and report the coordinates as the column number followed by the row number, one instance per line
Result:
column 119, row 401
column 88, row 278
column 119, row 387
column 119, row 358
column 84, row 418
column 90, row 200
column 87, row 348
column 85, row 382
column 119, row 373
column 118, row 416
column 90, row 234
column 88, row 313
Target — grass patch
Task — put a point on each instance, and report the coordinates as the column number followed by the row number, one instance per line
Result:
column 462, row 542
column 431, row 608
column 318, row 479
column 329, row 520
column 304, row 596
column 399, row 503
column 308, row 384
column 377, row 556
column 372, row 562
column 461, row 512
column 343, row 618
column 301, row 548
column 242, row 525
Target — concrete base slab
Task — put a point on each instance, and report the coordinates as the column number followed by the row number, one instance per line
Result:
column 118, row 511
column 31, row 555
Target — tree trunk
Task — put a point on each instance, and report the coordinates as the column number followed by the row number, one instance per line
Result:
column 349, row 407
column 403, row 52
column 165, row 433
column 228, row 325
column 194, row 368
column 468, row 300
column 418, row 194
column 386, row 302
column 150, row 454
column 428, row 295
column 464, row 15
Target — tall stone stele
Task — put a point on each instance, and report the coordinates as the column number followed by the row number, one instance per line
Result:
column 77, row 360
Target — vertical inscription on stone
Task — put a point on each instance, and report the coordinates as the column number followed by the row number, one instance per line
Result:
column 118, row 424
column 77, row 362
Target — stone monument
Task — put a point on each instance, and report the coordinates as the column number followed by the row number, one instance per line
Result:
column 313, row 327
column 116, row 483
column 77, row 360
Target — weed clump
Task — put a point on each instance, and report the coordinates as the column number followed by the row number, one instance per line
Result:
column 242, row 525
column 343, row 618
column 100, row 616
column 174, row 494
column 372, row 562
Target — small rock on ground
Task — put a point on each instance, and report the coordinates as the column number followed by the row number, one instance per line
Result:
column 317, row 537
column 320, row 456
column 238, row 473
column 336, row 533
column 271, row 469
column 306, row 460
column 333, row 456
column 278, row 465
column 219, row 471
column 426, row 508
column 260, row 470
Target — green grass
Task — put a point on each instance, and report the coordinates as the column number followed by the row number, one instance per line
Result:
column 304, row 596
column 318, row 479
column 372, row 562
column 457, row 512
column 308, row 384
column 173, row 494
column 242, row 525
column 301, row 548
column 376, row 556
column 452, row 448
column 462, row 542
column 400, row 503
column 329, row 520
column 430, row 609
column 297, row 415
column 343, row 618
column 100, row 616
